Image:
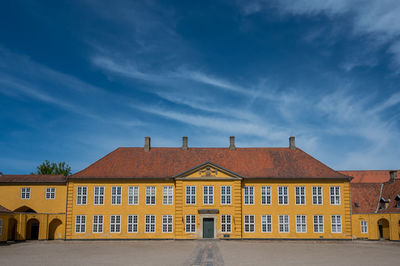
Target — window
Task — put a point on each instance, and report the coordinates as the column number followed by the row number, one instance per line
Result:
column 265, row 195
column 335, row 195
column 248, row 195
column 364, row 227
column 168, row 195
column 317, row 195
column 150, row 223
column 81, row 195
column 150, row 195
column 98, row 195
column 226, row 223
column 225, row 194
column 1, row 229
column 25, row 193
column 115, row 223
column 266, row 223
column 116, row 195
column 283, row 223
column 300, row 195
column 336, row 224
column 249, row 223
column 98, row 224
column 132, row 223
column 190, row 194
column 167, row 223
column 80, row 224
column 283, row 195
column 50, row 193
column 318, row 223
column 301, row 224
column 208, row 195
column 133, row 195
column 190, row 225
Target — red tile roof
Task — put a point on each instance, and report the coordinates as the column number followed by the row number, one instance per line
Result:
column 390, row 191
column 368, row 176
column 2, row 209
column 32, row 179
column 366, row 195
column 247, row 162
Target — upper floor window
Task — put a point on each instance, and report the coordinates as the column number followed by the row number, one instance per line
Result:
column 208, row 194
column 168, row 195
column 317, row 195
column 190, row 194
column 150, row 195
column 266, row 195
column 81, row 195
column 225, row 194
column 335, row 195
column 248, row 195
column 25, row 193
column 116, row 195
column 98, row 196
column 283, row 197
column 300, row 195
column 133, row 195
column 50, row 193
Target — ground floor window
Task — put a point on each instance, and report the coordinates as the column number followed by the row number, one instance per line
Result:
column 115, row 223
column 167, row 223
column 190, row 225
column 364, row 227
column 301, row 224
column 336, row 224
column 318, row 223
column 98, row 224
column 226, row 223
column 150, row 223
column 266, row 223
column 283, row 223
column 249, row 223
column 132, row 223
column 80, row 224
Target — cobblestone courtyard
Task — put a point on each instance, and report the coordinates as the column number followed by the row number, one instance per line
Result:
column 201, row 253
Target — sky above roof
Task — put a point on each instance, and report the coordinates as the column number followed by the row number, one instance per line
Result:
column 81, row 78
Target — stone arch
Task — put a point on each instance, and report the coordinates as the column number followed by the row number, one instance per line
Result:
column 53, row 226
column 384, row 228
column 12, row 229
column 32, row 229
column 25, row 209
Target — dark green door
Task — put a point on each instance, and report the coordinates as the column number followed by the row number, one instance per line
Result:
column 208, row 228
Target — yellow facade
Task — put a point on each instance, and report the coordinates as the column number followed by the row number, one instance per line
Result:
column 378, row 226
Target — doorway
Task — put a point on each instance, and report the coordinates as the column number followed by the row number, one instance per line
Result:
column 383, row 226
column 32, row 229
column 208, row 227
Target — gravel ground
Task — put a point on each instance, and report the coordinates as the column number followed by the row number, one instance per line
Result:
column 169, row 252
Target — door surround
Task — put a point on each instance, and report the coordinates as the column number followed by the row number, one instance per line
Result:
column 213, row 216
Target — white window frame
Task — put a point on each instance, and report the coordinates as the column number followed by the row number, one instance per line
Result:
column 149, row 223
column 208, row 195
column 266, row 223
column 80, row 223
column 190, row 223
column 115, row 223
column 133, row 195
column 284, row 225
column 248, row 195
column 364, row 226
column 98, row 223
column 132, row 224
column 300, row 195
column 336, row 224
column 249, row 224
column 81, row 195
column 266, row 195
column 283, row 195
column 317, row 195
column 318, row 223
column 116, row 195
column 301, row 224
column 151, row 195
column 50, row 193
column 168, row 195
column 226, row 223
column 25, row 193
column 167, row 224
column 190, row 197
column 226, row 196
column 98, row 195
column 335, row 195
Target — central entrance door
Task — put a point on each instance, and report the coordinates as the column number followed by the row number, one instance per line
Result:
column 208, row 228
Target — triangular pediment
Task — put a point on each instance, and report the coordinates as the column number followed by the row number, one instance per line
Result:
column 208, row 170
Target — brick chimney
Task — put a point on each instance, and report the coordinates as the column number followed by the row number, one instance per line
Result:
column 147, row 144
column 232, row 146
column 393, row 176
column 292, row 144
column 185, row 143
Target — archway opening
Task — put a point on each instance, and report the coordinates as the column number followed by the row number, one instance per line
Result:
column 53, row 226
column 25, row 209
column 32, row 229
column 12, row 229
column 383, row 226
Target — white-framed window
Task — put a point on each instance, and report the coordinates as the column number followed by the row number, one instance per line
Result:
column 190, row 195
column 168, row 195
column 226, row 223
column 364, row 227
column 335, row 195
column 81, row 195
column 300, row 193
column 150, row 223
column 283, row 223
column 150, row 195
column 336, row 223
column 249, row 223
column 98, row 223
column 266, row 195
column 283, row 198
column 266, row 223
column 225, row 194
column 208, row 195
column 190, row 223
column 98, row 196
column 50, row 193
column 301, row 224
column 133, row 195
column 25, row 193
column 1, row 228
column 167, row 223
column 249, row 195
column 317, row 195
column 116, row 195
column 132, row 223
column 318, row 223
column 80, row 223
column 115, row 223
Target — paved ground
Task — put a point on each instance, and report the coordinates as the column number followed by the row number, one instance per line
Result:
column 208, row 253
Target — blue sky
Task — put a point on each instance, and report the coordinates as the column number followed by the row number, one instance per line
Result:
column 81, row 78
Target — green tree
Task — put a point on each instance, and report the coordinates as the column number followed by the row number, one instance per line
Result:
column 48, row 168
